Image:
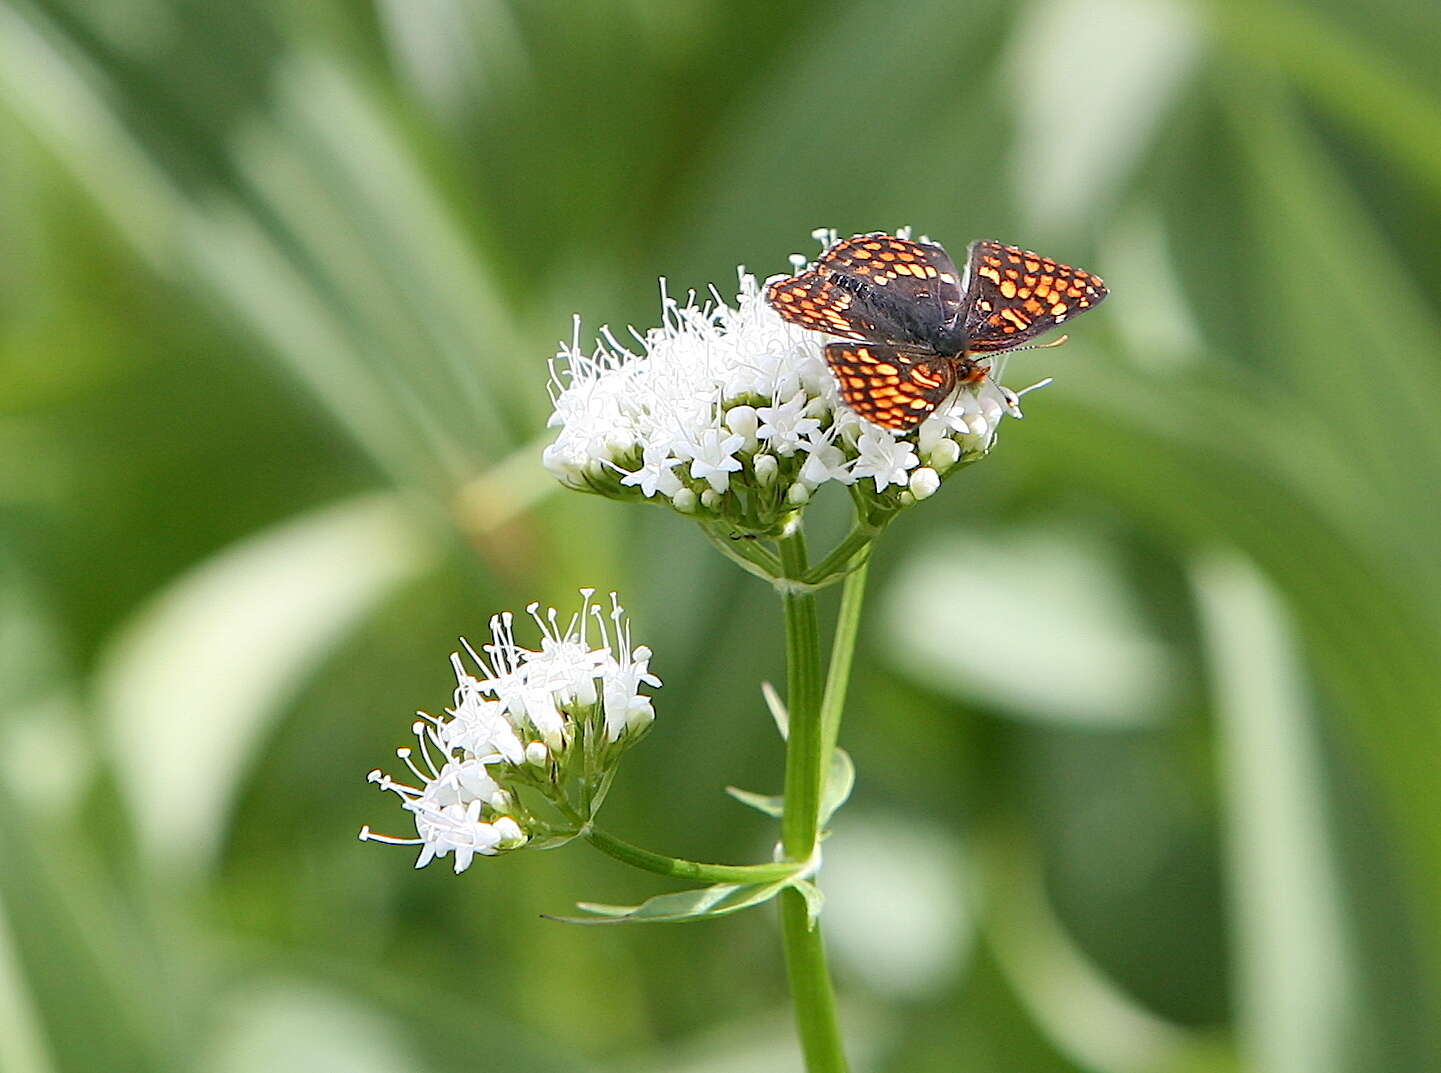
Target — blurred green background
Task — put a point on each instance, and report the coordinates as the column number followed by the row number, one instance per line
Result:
column 1147, row 711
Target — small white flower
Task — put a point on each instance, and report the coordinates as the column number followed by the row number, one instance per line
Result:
column 583, row 682
column 824, row 461
column 478, row 725
column 655, row 474
column 883, row 458
column 785, row 425
column 712, row 456
column 447, row 806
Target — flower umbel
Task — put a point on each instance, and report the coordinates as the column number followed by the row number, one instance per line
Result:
column 526, row 754
column 729, row 414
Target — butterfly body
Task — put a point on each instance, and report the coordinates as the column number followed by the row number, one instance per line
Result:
column 915, row 327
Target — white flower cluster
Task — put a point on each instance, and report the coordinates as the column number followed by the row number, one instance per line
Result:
column 545, row 719
column 728, row 411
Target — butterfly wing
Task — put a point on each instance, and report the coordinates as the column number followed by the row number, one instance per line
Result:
column 874, row 287
column 1014, row 296
column 887, row 385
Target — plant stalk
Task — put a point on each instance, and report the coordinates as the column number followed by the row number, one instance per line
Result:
column 807, row 761
column 651, row 861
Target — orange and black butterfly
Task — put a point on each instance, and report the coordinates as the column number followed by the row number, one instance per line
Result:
column 916, row 327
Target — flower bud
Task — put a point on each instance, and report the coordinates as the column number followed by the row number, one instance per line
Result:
column 743, row 421
column 585, row 694
column 798, row 495
column 685, row 501
column 536, row 753
column 924, row 482
column 766, row 467
column 944, row 455
column 511, row 835
column 640, row 715
column 710, row 499
column 561, row 466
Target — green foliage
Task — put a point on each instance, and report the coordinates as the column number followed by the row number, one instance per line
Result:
column 277, row 286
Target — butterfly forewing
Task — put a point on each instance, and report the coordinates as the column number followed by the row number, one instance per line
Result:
column 911, row 274
column 1014, row 296
column 812, row 300
column 888, row 386
column 875, row 287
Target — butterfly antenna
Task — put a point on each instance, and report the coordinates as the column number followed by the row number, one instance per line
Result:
column 1013, row 398
column 1041, row 346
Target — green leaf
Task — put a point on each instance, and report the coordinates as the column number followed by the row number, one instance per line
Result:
column 778, row 709
column 719, row 900
column 770, row 804
column 840, row 781
column 815, row 899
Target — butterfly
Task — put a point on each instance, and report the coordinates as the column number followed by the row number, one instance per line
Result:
column 915, row 328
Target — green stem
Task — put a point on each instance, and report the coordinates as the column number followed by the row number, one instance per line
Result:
column 843, row 648
column 746, row 554
column 683, row 869
column 806, row 762
column 810, row 980
column 855, row 542
column 805, row 766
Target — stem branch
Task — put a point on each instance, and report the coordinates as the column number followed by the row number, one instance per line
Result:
column 683, row 869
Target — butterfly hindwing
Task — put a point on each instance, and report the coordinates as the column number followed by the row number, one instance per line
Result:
column 874, row 287
column 889, row 386
column 1014, row 296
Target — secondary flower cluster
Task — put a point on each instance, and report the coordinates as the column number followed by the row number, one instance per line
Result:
column 527, row 726
column 729, row 413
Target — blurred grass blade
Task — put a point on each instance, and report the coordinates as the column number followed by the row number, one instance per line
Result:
column 1087, row 1015
column 22, row 1044
column 52, row 89
column 70, row 949
column 282, row 306
column 1361, row 87
column 346, row 189
column 1294, row 977
column 292, row 1026
column 1133, row 57
column 1304, row 213
column 313, row 224
column 258, row 618
column 1192, row 472
column 1053, row 599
